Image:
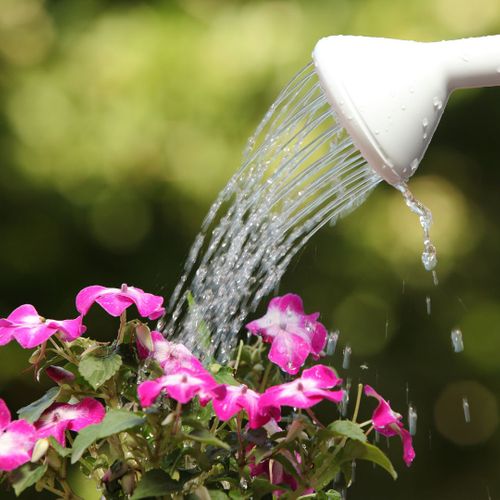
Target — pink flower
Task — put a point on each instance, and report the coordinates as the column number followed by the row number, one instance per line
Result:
column 230, row 400
column 25, row 325
column 293, row 334
column 306, row 391
column 115, row 300
column 170, row 356
column 16, row 440
column 182, row 386
column 388, row 423
column 60, row 417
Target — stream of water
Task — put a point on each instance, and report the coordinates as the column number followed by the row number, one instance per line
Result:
column 300, row 171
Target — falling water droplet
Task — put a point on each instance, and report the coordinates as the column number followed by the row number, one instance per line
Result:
column 347, row 357
column 428, row 304
column 466, row 407
column 407, row 393
column 353, row 472
column 364, row 366
column 412, row 419
column 331, row 345
column 435, row 279
column 429, row 255
column 457, row 340
column 425, row 123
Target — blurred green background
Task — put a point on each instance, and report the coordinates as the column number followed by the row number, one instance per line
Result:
column 120, row 120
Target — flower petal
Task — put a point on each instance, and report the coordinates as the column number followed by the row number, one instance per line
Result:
column 87, row 296
column 16, row 444
column 289, row 352
column 4, row 415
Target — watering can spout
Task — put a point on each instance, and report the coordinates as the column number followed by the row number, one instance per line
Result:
column 390, row 94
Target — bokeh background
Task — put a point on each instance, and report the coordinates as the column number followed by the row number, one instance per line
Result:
column 120, row 121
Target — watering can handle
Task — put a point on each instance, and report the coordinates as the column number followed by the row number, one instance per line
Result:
column 471, row 62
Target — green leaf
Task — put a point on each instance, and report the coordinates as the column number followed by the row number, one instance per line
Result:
column 97, row 370
column 32, row 412
column 262, row 487
column 203, row 436
column 217, row 495
column 114, row 422
column 366, row 451
column 155, row 483
column 346, row 428
column 26, row 476
column 323, row 495
column 63, row 452
column 223, row 374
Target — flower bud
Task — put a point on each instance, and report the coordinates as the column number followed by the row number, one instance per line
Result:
column 128, row 482
column 144, row 338
column 59, row 375
column 40, row 449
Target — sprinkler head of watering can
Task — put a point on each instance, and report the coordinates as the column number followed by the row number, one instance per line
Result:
column 390, row 94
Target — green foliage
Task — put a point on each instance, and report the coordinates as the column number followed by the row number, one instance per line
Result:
column 97, row 370
column 155, row 483
column 27, row 476
column 33, row 411
column 114, row 422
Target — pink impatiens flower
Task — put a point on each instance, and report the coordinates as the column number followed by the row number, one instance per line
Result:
column 170, row 356
column 293, row 334
column 306, row 391
column 115, row 300
column 60, row 417
column 25, row 325
column 182, row 386
column 16, row 440
column 230, row 400
column 388, row 423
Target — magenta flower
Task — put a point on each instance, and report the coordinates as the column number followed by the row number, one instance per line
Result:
column 230, row 400
column 16, row 440
column 170, row 356
column 306, row 391
column 388, row 423
column 25, row 325
column 293, row 334
column 115, row 300
column 60, row 417
column 182, row 386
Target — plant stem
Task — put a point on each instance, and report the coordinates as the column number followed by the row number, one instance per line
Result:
column 265, row 377
column 238, row 357
column 358, row 402
column 314, row 418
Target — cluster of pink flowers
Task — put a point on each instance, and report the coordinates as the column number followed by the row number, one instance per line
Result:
column 293, row 335
column 29, row 329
